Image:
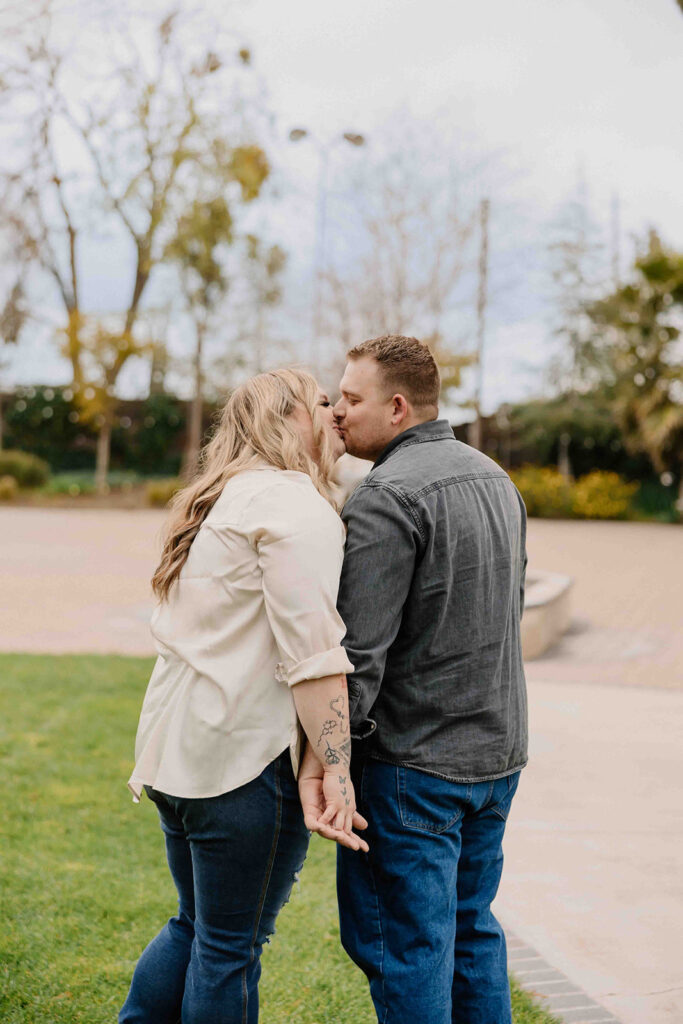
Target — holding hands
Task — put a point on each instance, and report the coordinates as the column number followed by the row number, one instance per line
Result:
column 325, row 788
column 329, row 802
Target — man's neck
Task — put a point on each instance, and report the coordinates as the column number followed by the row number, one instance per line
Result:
column 394, row 441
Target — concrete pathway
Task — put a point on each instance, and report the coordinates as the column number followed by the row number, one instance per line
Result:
column 77, row 581
column 593, row 873
column 594, row 851
column 627, row 602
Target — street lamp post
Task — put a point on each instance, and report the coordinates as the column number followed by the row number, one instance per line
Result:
column 324, row 150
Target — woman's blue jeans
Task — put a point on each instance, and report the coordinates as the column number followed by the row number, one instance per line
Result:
column 233, row 859
column 415, row 912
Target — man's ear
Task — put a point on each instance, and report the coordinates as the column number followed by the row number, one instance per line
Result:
column 400, row 410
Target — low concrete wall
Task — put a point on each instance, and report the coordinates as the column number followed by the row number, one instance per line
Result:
column 547, row 612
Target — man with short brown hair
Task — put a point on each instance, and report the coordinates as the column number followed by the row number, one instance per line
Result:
column 431, row 594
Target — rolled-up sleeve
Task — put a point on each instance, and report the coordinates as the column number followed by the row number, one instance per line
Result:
column 300, row 542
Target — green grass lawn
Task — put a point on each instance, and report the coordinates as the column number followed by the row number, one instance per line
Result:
column 83, row 880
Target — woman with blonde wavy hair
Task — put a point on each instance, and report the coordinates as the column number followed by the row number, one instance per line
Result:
column 250, row 670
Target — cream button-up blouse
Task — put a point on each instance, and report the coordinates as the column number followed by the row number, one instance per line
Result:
column 252, row 613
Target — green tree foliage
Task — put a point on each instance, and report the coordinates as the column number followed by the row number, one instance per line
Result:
column 139, row 140
column 13, row 316
column 582, row 422
column 148, row 443
column 575, row 254
column 48, row 423
column 635, row 350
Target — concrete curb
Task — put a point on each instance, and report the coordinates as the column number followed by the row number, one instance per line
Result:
column 552, row 989
column 547, row 612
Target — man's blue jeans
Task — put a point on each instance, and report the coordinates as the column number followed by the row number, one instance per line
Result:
column 233, row 859
column 416, row 911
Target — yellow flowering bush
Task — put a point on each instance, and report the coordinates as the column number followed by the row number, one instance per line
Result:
column 545, row 491
column 9, row 488
column 603, row 495
column 598, row 495
column 160, row 492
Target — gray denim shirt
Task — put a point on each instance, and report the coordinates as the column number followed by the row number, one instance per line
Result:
column 432, row 591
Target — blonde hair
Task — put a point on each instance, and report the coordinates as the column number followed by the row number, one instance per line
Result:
column 254, row 427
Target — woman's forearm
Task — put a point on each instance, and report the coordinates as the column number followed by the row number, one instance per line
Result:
column 323, row 709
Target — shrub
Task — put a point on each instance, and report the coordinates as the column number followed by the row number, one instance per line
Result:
column 149, row 444
column 8, row 488
column 27, row 470
column 603, row 495
column 160, row 492
column 48, row 423
column 656, row 500
column 74, row 484
column 598, row 495
column 545, row 491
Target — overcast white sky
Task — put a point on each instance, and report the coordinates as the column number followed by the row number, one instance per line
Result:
column 553, row 81
column 555, row 84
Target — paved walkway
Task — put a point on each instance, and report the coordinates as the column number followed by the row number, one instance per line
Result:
column 76, row 581
column 593, row 853
column 627, row 602
column 594, row 847
column 551, row 988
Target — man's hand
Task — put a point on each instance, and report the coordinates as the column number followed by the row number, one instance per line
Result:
column 329, row 804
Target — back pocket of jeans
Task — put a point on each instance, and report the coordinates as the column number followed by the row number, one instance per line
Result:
column 427, row 803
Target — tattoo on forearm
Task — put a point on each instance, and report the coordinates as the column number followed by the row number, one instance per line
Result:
column 337, row 705
column 338, row 755
column 328, row 728
column 331, row 755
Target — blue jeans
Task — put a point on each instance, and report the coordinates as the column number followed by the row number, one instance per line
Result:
column 415, row 912
column 233, row 859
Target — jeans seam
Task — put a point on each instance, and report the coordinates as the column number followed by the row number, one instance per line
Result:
column 379, row 910
column 266, row 882
column 507, row 799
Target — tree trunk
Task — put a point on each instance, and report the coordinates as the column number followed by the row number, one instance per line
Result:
column 563, row 463
column 74, row 346
column 2, row 422
column 157, row 372
column 194, row 428
column 474, row 432
column 103, row 452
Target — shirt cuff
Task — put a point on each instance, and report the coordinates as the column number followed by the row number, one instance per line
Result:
column 363, row 729
column 327, row 663
column 359, row 730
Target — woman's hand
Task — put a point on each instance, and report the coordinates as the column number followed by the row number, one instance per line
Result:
column 340, row 799
column 329, row 803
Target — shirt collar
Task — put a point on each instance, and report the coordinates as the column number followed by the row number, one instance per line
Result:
column 432, row 430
